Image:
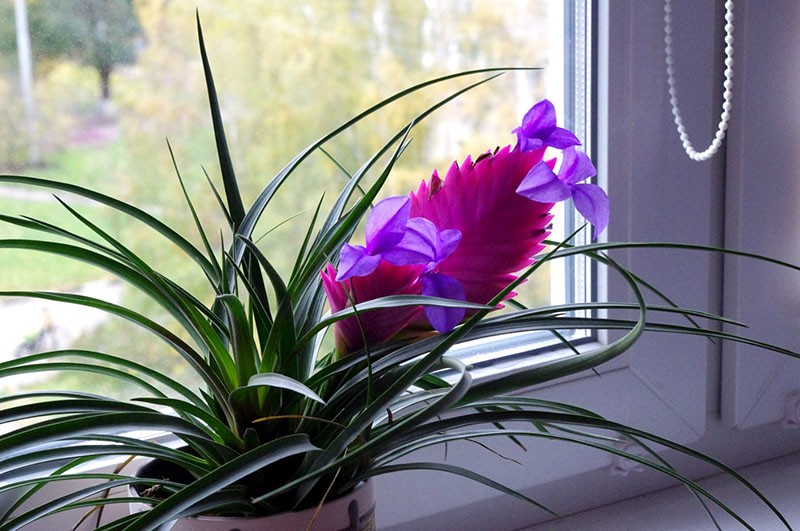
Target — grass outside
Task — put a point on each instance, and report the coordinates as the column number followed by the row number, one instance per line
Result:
column 102, row 168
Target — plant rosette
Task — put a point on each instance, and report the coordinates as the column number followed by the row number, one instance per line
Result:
column 280, row 425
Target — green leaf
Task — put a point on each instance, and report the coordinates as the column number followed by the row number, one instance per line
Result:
column 48, row 228
column 180, row 306
column 382, row 303
column 120, row 206
column 198, row 225
column 218, row 197
column 281, row 381
column 123, row 446
column 188, row 410
column 245, row 352
column 277, row 282
column 9, row 372
column 232, row 194
column 65, row 502
column 63, row 407
column 235, row 204
column 129, row 365
column 68, row 428
column 187, row 352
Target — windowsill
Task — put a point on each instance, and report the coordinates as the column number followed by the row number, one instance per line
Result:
column 510, row 355
column 672, row 509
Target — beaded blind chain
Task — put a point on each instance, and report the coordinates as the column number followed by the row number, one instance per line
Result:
column 727, row 85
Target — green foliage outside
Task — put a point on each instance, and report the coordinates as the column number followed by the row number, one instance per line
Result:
column 288, row 72
column 101, row 34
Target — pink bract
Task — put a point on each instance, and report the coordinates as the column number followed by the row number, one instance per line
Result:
column 501, row 231
column 380, row 325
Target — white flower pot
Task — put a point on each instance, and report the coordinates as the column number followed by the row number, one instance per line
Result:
column 352, row 512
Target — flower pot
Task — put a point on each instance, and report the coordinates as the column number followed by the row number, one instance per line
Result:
column 354, row 511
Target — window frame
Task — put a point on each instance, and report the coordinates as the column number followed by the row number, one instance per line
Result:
column 638, row 388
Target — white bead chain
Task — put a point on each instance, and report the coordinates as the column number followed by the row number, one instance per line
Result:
column 727, row 84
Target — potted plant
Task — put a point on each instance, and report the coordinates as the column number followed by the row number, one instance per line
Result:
column 283, row 425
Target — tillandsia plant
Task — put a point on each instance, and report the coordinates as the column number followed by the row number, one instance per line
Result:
column 281, row 424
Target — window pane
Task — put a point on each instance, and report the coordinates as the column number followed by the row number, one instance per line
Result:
column 112, row 79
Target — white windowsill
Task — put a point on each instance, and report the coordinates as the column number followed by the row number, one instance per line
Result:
column 673, row 510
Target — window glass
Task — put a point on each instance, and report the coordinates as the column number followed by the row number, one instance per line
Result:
column 112, row 79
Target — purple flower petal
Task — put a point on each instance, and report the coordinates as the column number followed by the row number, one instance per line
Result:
column 561, row 138
column 385, row 228
column 593, row 204
column 527, row 144
column 450, row 239
column 575, row 167
column 355, row 261
column 544, row 186
column 539, row 129
column 423, row 244
column 438, row 285
column 386, row 223
column 418, row 246
column 541, row 184
column 540, row 120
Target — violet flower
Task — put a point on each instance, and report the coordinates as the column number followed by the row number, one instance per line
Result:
column 393, row 237
column 385, row 228
column 542, row 184
column 539, row 130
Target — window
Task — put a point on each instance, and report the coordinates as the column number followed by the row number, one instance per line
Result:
column 100, row 119
column 671, row 387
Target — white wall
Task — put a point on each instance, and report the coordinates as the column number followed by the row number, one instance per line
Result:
column 762, row 214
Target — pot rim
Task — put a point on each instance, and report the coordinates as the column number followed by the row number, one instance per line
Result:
column 363, row 493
